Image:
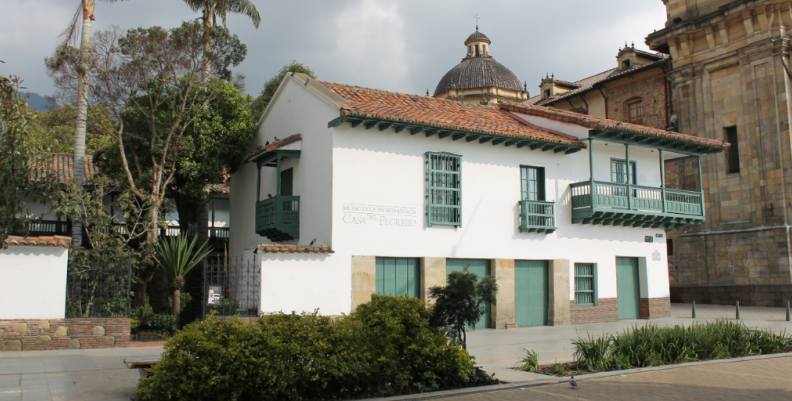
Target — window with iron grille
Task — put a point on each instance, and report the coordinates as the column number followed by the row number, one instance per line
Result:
column 733, row 154
column 443, row 189
column 585, row 284
column 532, row 180
column 636, row 112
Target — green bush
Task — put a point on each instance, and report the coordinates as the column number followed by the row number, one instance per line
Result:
column 384, row 347
column 529, row 362
column 652, row 346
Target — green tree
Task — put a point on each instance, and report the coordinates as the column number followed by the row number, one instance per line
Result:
column 54, row 130
column 176, row 257
column 462, row 302
column 271, row 86
column 157, row 73
column 19, row 159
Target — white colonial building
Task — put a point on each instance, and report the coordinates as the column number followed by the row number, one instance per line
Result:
column 395, row 191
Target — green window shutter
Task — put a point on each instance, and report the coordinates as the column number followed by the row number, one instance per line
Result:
column 585, row 284
column 443, row 189
column 398, row 276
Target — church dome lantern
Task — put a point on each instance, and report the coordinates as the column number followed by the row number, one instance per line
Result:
column 479, row 78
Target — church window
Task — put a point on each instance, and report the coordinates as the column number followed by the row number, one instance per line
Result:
column 477, row 50
column 733, row 154
column 443, row 189
column 532, row 183
column 625, row 64
column 636, row 111
column 546, row 93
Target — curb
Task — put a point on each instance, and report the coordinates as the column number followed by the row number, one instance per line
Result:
column 142, row 344
column 553, row 380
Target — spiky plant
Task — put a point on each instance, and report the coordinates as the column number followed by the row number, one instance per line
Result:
column 176, row 256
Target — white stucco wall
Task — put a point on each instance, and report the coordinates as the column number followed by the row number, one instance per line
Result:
column 33, row 284
column 304, row 282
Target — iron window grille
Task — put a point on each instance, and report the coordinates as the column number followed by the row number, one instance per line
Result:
column 585, row 284
column 443, row 189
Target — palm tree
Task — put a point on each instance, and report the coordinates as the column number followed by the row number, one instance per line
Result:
column 85, row 11
column 176, row 258
column 212, row 9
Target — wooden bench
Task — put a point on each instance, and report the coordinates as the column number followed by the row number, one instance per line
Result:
column 142, row 365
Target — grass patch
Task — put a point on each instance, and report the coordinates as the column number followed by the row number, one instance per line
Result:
column 650, row 345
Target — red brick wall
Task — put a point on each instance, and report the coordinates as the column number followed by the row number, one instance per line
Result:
column 655, row 308
column 607, row 310
column 651, row 90
column 31, row 335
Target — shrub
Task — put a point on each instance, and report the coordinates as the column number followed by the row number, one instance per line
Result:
column 529, row 362
column 652, row 346
column 384, row 347
column 461, row 303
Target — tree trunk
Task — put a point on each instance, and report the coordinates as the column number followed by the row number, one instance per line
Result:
column 176, row 303
column 82, row 108
column 140, row 288
column 208, row 18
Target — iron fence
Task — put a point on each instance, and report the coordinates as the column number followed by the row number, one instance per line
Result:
column 232, row 286
column 98, row 288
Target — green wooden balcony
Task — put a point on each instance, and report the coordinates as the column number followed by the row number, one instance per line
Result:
column 608, row 203
column 537, row 216
column 278, row 218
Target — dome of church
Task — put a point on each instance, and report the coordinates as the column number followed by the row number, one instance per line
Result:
column 477, row 37
column 478, row 72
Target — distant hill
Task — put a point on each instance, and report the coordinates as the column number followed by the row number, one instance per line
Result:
column 38, row 102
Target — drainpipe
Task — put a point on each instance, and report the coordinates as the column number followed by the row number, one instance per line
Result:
column 606, row 101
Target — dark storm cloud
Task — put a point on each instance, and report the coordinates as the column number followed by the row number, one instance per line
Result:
column 403, row 46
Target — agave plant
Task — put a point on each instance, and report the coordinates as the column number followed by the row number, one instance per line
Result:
column 176, row 256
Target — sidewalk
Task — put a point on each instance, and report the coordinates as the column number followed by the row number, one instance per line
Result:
column 71, row 375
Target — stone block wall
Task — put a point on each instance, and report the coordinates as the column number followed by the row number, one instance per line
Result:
column 77, row 333
column 775, row 295
column 655, row 308
column 606, row 310
column 651, row 90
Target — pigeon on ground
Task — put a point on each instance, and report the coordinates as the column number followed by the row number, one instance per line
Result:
column 269, row 196
column 313, row 242
column 573, row 382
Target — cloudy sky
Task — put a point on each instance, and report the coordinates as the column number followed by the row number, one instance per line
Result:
column 404, row 46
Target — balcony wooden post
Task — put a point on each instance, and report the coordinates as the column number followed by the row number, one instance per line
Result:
column 278, row 178
column 701, row 184
column 629, row 181
column 258, row 182
column 591, row 171
column 662, row 179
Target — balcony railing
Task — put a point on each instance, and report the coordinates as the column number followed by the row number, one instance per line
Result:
column 537, row 216
column 278, row 218
column 50, row 227
column 597, row 202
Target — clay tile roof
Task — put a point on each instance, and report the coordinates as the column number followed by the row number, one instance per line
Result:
column 37, row 241
column 603, row 124
column 273, row 146
column 60, row 166
column 442, row 113
column 283, row 248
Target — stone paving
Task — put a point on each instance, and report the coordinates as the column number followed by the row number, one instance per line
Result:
column 752, row 379
column 70, row 375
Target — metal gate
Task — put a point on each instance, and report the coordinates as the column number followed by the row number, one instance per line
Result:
column 232, row 286
column 97, row 287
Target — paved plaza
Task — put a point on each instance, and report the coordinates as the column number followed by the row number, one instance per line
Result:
column 100, row 375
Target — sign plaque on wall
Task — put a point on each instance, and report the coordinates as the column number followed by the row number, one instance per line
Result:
column 656, row 256
column 378, row 215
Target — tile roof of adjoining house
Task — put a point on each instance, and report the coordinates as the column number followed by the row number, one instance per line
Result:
column 283, row 248
column 603, row 124
column 61, row 166
column 37, row 241
column 442, row 113
column 273, row 146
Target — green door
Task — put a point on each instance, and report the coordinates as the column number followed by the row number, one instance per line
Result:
column 531, row 294
column 398, row 276
column 287, row 182
column 480, row 267
column 628, row 288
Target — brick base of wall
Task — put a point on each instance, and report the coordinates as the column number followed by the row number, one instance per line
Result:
column 607, row 310
column 655, row 308
column 78, row 333
column 748, row 294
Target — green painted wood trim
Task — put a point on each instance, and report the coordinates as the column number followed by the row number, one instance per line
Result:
column 336, row 122
column 258, row 182
column 673, row 145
